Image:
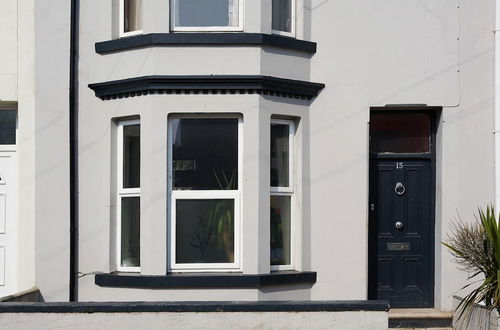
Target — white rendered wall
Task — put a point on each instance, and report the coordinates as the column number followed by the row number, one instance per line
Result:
column 8, row 53
column 247, row 320
column 26, row 144
column 374, row 53
column 52, row 24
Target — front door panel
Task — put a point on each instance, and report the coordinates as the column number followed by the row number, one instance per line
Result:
column 401, row 232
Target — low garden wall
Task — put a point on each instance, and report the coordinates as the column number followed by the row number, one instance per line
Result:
column 346, row 315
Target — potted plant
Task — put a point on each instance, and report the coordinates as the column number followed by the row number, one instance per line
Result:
column 475, row 247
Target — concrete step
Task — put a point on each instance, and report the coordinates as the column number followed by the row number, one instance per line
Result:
column 420, row 318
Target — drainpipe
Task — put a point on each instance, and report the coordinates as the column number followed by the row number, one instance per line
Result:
column 73, row 152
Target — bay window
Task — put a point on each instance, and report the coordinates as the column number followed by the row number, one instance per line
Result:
column 128, row 196
column 207, row 15
column 283, row 17
column 130, row 17
column 282, row 193
column 204, row 193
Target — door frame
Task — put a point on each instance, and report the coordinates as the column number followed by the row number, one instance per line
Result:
column 434, row 113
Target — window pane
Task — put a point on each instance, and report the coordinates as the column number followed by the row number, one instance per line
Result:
column 8, row 126
column 280, row 230
column 133, row 15
column 130, row 232
column 205, row 154
column 280, row 155
column 204, row 231
column 131, row 156
column 282, row 15
column 206, row 12
column 399, row 133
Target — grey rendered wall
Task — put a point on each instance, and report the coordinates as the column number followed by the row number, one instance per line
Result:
column 370, row 53
column 52, row 148
column 373, row 53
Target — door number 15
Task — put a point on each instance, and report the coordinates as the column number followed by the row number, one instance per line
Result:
column 399, row 165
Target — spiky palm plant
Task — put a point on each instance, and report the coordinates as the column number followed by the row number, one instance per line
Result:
column 476, row 249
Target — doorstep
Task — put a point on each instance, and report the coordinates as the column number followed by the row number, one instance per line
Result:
column 419, row 318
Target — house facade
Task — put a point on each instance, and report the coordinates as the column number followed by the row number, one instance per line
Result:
column 231, row 150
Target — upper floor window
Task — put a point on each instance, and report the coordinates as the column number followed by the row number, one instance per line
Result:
column 130, row 17
column 207, row 15
column 283, row 21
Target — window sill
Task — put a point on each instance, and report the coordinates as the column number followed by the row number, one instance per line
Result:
column 205, row 39
column 204, row 280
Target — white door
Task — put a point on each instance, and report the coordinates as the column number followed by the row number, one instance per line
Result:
column 8, row 220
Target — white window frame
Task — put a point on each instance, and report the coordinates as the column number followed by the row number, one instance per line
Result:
column 174, row 195
column 123, row 193
column 241, row 5
column 284, row 33
column 288, row 191
column 122, row 22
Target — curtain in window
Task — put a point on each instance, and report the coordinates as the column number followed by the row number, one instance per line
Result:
column 282, row 15
column 133, row 15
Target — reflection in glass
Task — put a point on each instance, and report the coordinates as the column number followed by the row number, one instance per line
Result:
column 8, row 126
column 130, row 232
column 204, row 231
column 133, row 15
column 205, row 154
column 282, row 15
column 191, row 13
column 399, row 133
column 131, row 156
column 280, row 155
column 280, row 230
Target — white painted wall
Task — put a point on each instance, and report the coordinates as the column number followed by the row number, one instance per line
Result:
column 8, row 53
column 247, row 320
column 26, row 144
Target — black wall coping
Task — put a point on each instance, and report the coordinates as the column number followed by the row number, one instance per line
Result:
column 215, row 39
column 209, row 84
column 197, row 306
column 204, row 280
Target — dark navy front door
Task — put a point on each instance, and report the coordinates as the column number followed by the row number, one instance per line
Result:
column 401, row 231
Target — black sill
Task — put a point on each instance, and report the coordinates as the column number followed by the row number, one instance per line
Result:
column 204, row 280
column 198, row 306
column 204, row 39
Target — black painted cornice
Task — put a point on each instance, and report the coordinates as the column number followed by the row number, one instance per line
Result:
column 209, row 84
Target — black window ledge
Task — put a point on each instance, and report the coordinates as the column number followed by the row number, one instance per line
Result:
column 205, row 39
column 198, row 306
column 204, row 280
